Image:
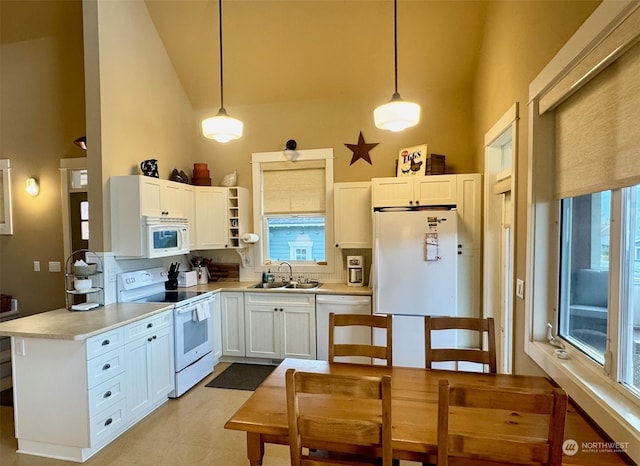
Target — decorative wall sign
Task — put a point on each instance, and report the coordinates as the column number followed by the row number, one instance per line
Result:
column 361, row 150
column 412, row 161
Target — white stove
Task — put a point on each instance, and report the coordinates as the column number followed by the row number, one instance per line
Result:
column 192, row 325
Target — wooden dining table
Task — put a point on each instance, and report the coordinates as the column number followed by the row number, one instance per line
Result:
column 414, row 393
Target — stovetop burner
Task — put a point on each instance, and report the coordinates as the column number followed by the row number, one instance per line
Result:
column 170, row 297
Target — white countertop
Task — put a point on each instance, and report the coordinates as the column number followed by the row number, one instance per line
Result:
column 62, row 324
column 325, row 288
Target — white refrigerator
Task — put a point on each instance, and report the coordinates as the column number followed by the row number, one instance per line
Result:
column 415, row 273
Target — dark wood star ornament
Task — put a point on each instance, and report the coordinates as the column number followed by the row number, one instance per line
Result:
column 361, row 150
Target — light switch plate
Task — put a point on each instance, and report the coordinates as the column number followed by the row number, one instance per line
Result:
column 520, row 288
column 54, row 267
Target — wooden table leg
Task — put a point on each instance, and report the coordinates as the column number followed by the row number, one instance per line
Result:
column 255, row 449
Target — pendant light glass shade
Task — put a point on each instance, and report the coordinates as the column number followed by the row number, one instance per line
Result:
column 396, row 115
column 222, row 127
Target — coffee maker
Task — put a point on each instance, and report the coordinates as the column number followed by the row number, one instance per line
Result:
column 355, row 271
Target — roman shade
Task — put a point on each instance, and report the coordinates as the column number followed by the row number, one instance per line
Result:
column 294, row 187
column 597, row 139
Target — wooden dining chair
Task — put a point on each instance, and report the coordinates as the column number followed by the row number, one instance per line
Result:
column 379, row 321
column 533, row 418
column 477, row 355
column 326, row 421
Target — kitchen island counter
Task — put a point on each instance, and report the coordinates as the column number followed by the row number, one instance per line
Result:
column 62, row 324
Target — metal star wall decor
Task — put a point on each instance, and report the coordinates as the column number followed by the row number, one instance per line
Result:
column 361, row 150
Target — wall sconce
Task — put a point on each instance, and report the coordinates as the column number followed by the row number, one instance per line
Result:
column 33, row 186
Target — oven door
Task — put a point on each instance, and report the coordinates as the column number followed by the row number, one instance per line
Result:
column 193, row 334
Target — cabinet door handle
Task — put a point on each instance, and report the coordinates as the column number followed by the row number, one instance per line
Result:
column 150, row 324
column 106, row 367
column 107, row 394
column 275, row 309
column 108, row 421
column 106, row 342
column 149, row 339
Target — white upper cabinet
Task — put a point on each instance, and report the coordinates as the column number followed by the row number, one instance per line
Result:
column 413, row 191
column 211, row 213
column 352, row 212
column 162, row 198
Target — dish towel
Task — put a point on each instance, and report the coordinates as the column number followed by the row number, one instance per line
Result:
column 201, row 312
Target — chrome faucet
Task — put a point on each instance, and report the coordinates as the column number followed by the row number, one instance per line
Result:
column 290, row 270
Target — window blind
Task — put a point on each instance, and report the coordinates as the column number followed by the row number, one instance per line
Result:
column 598, row 131
column 294, row 187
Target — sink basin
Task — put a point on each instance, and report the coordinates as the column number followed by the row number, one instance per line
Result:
column 289, row 286
column 267, row 285
column 303, row 286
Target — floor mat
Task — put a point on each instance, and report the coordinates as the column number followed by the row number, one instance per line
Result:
column 241, row 376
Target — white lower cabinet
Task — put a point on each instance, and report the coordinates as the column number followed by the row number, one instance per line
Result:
column 148, row 381
column 280, row 325
column 232, row 309
column 72, row 397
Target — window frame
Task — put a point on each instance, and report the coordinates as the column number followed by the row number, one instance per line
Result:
column 257, row 158
column 596, row 389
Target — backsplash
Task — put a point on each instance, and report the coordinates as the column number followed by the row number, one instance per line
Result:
column 227, row 260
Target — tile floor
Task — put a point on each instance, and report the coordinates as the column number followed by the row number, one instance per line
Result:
column 186, row 431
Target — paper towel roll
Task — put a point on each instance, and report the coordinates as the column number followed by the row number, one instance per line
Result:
column 250, row 238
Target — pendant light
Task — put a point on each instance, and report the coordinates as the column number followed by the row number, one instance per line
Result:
column 397, row 114
column 222, row 127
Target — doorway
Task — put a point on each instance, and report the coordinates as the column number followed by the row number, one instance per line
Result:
column 75, row 205
column 501, row 147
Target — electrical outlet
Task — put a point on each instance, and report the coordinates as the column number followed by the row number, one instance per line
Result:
column 520, row 288
column 36, row 266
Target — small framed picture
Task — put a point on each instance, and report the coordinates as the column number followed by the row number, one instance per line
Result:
column 412, row 161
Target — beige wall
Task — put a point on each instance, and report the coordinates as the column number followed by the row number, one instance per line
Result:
column 520, row 38
column 139, row 110
column 445, row 126
column 42, row 112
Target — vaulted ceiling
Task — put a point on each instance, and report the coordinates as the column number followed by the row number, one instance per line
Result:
column 297, row 50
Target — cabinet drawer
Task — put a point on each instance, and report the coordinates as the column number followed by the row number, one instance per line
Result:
column 105, row 342
column 102, row 368
column 107, row 425
column 148, row 325
column 107, row 394
column 280, row 299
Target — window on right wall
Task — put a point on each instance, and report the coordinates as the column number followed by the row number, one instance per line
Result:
column 583, row 264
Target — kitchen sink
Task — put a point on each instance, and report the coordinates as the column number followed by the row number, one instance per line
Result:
column 268, row 285
column 287, row 286
column 303, row 286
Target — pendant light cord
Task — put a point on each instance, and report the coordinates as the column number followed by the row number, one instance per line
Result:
column 221, row 78
column 395, row 45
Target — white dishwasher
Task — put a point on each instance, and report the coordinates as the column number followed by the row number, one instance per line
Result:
column 341, row 304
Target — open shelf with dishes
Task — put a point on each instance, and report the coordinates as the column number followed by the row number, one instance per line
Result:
column 84, row 285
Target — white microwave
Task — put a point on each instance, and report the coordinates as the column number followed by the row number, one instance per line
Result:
column 166, row 236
